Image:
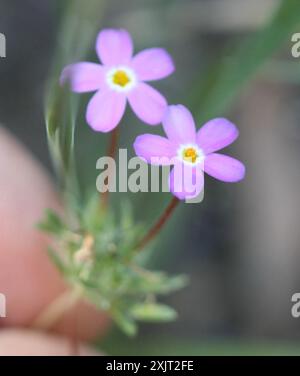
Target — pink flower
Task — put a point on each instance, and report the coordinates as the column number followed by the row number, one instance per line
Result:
column 121, row 77
column 190, row 152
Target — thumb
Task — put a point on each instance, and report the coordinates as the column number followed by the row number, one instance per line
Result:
column 27, row 277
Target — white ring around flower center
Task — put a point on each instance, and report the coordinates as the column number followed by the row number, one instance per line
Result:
column 197, row 157
column 125, row 71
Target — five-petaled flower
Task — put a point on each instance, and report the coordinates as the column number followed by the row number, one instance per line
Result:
column 191, row 153
column 121, row 77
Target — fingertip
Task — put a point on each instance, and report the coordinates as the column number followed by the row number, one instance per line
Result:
column 15, row 342
column 28, row 279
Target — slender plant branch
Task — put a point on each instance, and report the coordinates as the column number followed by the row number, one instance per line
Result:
column 111, row 152
column 54, row 312
column 156, row 228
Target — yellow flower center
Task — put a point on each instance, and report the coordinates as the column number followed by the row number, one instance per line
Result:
column 190, row 155
column 121, row 78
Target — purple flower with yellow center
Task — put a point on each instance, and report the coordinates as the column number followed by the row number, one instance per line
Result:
column 121, row 77
column 191, row 152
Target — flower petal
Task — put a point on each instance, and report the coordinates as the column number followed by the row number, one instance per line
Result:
column 83, row 77
column 114, row 46
column 105, row 110
column 151, row 147
column 186, row 182
column 153, row 64
column 224, row 168
column 216, row 134
column 179, row 124
column 147, row 103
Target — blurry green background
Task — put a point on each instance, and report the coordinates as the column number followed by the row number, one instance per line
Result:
column 241, row 246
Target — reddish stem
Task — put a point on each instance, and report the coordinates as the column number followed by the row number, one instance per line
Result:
column 111, row 152
column 159, row 224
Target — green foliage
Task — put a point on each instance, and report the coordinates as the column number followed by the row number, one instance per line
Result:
column 94, row 249
column 78, row 30
column 150, row 311
column 216, row 90
column 98, row 255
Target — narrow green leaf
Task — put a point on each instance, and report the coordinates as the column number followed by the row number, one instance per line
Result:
column 171, row 284
column 52, row 223
column 153, row 312
column 223, row 82
column 75, row 40
column 54, row 257
column 92, row 217
column 126, row 324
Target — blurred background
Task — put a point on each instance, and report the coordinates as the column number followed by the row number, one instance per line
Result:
column 241, row 246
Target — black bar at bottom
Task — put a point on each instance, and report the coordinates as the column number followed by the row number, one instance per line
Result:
column 149, row 365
